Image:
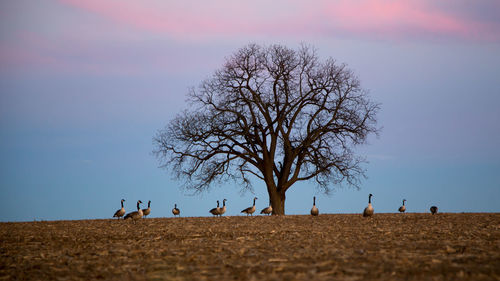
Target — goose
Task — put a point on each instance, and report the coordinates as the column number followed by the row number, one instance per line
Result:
column 223, row 209
column 118, row 214
column 314, row 209
column 215, row 211
column 434, row 210
column 368, row 212
column 176, row 211
column 137, row 214
column 402, row 209
column 267, row 210
column 250, row 210
column 148, row 210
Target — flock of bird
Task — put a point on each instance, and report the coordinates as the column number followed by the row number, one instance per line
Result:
column 218, row 211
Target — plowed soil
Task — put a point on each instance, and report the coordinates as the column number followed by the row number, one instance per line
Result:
column 328, row 247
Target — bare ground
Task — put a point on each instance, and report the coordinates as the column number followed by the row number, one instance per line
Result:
column 328, row 247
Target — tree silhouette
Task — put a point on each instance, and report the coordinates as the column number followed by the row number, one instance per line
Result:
column 275, row 113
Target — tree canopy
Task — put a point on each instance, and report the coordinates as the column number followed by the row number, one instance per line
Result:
column 278, row 114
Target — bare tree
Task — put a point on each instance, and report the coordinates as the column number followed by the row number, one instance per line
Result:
column 275, row 113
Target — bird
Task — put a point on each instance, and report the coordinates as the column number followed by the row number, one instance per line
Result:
column 402, row 209
column 267, row 210
column 137, row 214
column 148, row 210
column 434, row 210
column 215, row 211
column 176, row 211
column 368, row 212
column 223, row 209
column 118, row 214
column 250, row 210
column 314, row 209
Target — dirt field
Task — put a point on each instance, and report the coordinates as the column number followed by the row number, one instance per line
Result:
column 328, row 247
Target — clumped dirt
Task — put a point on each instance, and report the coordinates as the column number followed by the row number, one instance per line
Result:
column 328, row 247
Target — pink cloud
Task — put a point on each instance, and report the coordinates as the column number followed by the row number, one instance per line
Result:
column 18, row 53
column 382, row 18
column 33, row 52
column 397, row 19
column 179, row 18
column 133, row 37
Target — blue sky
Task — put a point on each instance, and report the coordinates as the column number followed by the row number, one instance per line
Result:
column 85, row 85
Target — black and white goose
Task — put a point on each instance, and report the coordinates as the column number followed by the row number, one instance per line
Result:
column 368, row 212
column 137, row 214
column 223, row 209
column 176, row 211
column 250, row 210
column 120, row 212
column 402, row 209
column 267, row 210
column 148, row 210
column 314, row 209
column 215, row 211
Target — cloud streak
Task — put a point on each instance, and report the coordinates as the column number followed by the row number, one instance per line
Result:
column 127, row 37
column 382, row 19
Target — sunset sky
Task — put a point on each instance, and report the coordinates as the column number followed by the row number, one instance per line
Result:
column 85, row 85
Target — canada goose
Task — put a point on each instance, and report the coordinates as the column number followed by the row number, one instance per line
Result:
column 250, row 210
column 223, row 209
column 148, row 210
column 267, row 210
column 434, row 210
column 118, row 214
column 368, row 212
column 215, row 211
column 314, row 209
column 402, row 209
column 137, row 214
column 176, row 211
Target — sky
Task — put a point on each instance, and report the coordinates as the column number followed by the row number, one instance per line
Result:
column 85, row 85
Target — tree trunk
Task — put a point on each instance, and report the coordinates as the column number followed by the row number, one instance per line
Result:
column 277, row 199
